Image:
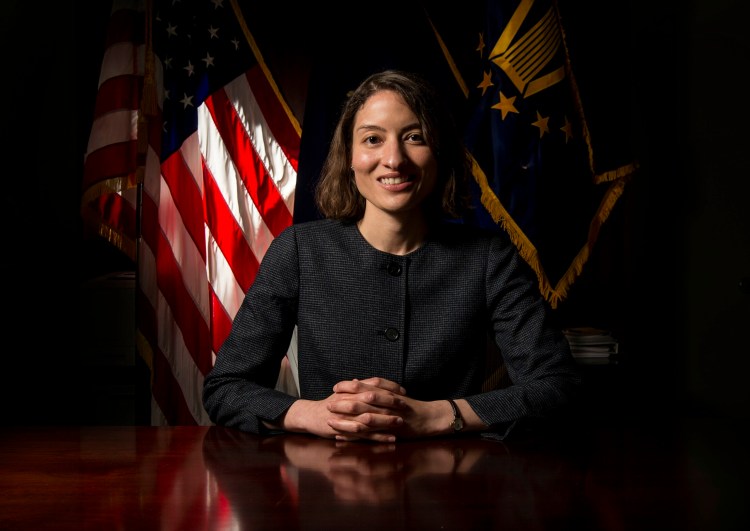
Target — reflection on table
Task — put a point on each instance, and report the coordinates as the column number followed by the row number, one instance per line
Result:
column 682, row 475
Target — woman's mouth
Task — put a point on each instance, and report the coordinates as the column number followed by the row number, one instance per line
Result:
column 395, row 180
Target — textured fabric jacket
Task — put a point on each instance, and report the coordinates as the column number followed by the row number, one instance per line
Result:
column 421, row 320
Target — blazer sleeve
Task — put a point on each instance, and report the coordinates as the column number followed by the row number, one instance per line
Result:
column 239, row 390
column 541, row 368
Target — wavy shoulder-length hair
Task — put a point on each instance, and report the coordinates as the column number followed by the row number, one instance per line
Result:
column 336, row 193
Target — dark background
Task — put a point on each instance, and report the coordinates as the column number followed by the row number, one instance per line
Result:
column 666, row 276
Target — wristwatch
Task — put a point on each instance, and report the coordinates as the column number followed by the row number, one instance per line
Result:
column 458, row 421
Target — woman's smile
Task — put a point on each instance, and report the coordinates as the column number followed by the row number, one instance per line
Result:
column 395, row 180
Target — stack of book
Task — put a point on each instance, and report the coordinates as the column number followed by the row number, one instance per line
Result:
column 591, row 345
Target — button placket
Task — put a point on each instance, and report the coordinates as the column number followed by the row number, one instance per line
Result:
column 394, row 269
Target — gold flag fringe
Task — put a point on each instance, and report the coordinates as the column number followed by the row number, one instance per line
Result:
column 501, row 216
column 92, row 219
column 113, row 237
column 527, row 249
column 146, row 352
column 614, row 192
column 619, row 173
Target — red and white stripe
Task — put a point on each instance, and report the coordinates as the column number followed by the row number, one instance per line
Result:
column 208, row 214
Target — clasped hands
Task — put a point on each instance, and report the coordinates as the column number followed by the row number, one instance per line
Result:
column 374, row 409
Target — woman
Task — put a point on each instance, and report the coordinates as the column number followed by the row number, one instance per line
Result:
column 393, row 304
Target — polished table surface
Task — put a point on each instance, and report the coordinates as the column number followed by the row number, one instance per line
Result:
column 685, row 474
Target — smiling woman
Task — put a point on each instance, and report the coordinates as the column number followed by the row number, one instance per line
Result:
column 401, row 123
column 395, row 346
column 395, row 171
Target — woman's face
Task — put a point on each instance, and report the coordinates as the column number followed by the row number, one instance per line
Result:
column 394, row 168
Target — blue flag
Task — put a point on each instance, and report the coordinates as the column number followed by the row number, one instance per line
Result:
column 534, row 166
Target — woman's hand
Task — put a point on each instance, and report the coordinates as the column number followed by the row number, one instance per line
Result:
column 374, row 409
column 380, row 406
column 358, row 409
column 369, row 409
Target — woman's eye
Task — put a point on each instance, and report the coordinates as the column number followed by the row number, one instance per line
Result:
column 372, row 140
column 416, row 138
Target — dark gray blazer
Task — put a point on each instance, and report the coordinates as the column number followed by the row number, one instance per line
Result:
column 421, row 320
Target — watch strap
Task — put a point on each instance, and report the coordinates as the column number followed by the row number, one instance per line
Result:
column 458, row 421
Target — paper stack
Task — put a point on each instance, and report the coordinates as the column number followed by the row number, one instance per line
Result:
column 591, row 345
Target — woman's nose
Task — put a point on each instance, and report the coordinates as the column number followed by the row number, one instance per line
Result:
column 393, row 155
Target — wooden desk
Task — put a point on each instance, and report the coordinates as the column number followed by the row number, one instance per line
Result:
column 686, row 475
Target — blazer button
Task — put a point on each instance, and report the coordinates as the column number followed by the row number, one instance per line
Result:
column 392, row 334
column 394, row 269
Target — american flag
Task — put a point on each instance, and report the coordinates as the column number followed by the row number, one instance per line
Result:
column 191, row 168
column 111, row 162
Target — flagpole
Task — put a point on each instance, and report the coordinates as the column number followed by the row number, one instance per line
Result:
column 148, row 109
